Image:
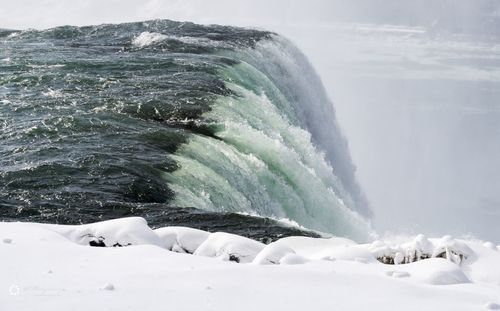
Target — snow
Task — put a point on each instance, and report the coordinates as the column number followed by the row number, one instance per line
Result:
column 181, row 239
column 397, row 274
column 272, row 254
column 53, row 267
column 231, row 247
column 118, row 232
column 292, row 259
column 108, row 286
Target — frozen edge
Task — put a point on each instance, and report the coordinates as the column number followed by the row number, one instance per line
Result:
column 40, row 261
column 229, row 247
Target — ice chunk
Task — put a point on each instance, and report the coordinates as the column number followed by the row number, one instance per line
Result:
column 117, row 232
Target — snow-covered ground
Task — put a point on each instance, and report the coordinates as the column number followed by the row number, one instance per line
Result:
column 53, row 267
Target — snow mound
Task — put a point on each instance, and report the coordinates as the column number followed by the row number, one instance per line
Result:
column 272, row 254
column 455, row 276
column 117, row 232
column 181, row 239
column 444, row 273
column 452, row 249
column 230, row 247
column 315, row 248
column 293, row 259
column 436, row 271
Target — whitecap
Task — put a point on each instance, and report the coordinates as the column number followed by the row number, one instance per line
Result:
column 147, row 38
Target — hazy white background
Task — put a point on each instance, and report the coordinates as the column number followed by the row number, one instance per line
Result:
column 420, row 104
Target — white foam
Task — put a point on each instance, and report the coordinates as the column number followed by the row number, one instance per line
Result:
column 263, row 166
column 53, row 93
column 46, row 66
column 13, row 35
column 147, row 38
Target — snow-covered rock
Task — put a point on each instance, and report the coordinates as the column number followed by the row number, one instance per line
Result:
column 272, row 254
column 452, row 249
column 181, row 239
column 230, row 247
column 117, row 232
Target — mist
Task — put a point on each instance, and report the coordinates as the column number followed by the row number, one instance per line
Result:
column 416, row 87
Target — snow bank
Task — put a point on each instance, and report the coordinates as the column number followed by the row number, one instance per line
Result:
column 187, row 269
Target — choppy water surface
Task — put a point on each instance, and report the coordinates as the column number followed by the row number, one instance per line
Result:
column 147, row 118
